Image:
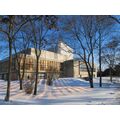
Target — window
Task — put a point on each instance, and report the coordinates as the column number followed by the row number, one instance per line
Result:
column 27, row 66
column 42, row 65
column 83, row 67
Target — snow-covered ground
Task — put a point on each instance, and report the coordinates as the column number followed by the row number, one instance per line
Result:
column 64, row 91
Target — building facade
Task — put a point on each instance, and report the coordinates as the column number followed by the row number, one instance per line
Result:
column 76, row 68
column 60, row 62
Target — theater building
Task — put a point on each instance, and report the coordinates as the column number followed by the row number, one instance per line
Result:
column 59, row 60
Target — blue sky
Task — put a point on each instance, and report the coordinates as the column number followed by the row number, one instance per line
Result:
column 116, row 30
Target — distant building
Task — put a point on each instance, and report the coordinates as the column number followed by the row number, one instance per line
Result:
column 60, row 59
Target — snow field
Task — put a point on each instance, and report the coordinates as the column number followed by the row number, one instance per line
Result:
column 64, row 91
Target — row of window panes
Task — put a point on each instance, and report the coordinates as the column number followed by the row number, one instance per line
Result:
column 85, row 69
column 43, row 65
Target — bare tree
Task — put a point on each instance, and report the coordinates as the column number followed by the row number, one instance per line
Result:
column 104, row 27
column 52, row 74
column 10, row 26
column 20, row 46
column 41, row 27
column 82, row 31
column 111, row 54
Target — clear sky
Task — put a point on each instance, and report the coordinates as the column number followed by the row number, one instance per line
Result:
column 68, row 40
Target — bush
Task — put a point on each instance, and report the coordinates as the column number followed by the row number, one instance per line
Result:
column 28, row 86
column 49, row 81
column 43, row 81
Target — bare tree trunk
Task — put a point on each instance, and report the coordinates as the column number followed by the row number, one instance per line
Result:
column 92, row 70
column 19, row 75
column 7, row 97
column 89, row 74
column 92, row 57
column 91, row 81
column 18, row 66
column 100, row 69
column 19, row 72
column 23, row 71
column 110, row 74
column 36, row 80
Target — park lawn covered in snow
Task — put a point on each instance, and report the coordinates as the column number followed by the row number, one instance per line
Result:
column 65, row 91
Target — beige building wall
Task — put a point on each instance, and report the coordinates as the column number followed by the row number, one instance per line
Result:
column 72, row 69
column 76, row 68
column 50, row 55
column 64, row 49
column 47, row 60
